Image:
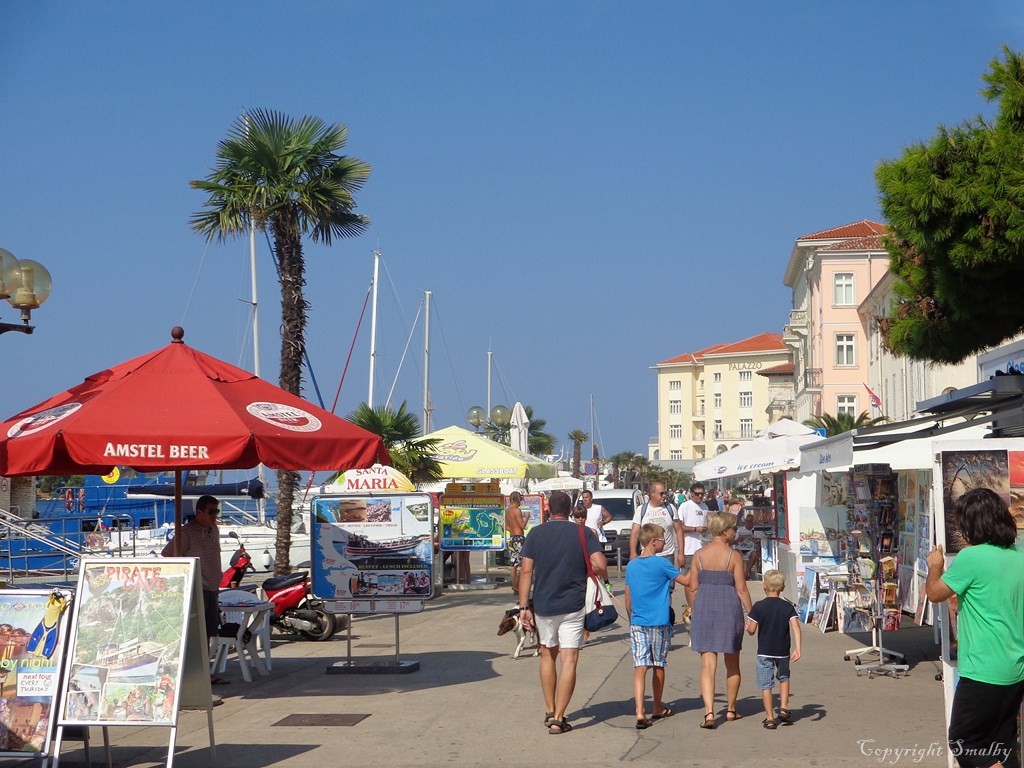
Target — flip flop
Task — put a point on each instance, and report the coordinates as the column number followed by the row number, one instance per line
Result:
column 708, row 724
column 219, row 681
column 642, row 724
column 665, row 712
column 732, row 715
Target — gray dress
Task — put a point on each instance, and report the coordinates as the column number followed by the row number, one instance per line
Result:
column 717, row 612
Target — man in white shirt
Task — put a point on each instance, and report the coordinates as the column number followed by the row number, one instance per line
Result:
column 597, row 516
column 658, row 510
column 692, row 515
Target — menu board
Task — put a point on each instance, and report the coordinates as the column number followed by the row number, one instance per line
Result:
column 33, row 628
column 472, row 521
column 128, row 640
column 372, row 548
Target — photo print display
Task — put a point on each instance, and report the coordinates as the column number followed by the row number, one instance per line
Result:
column 963, row 471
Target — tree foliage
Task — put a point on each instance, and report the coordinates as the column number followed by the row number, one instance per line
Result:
column 539, row 441
column 955, row 213
column 843, row 422
column 577, row 437
column 284, row 176
column 400, row 430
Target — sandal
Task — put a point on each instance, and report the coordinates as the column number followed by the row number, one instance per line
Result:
column 549, row 717
column 771, row 725
column 557, row 727
column 785, row 717
column 645, row 723
column 709, row 724
column 665, row 712
column 732, row 715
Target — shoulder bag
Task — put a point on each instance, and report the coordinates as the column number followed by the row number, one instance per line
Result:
column 600, row 612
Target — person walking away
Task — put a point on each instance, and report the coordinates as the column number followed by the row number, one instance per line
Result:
column 515, row 523
column 720, row 601
column 712, row 503
column 597, row 516
column 555, row 567
column 987, row 577
column 200, row 538
column 778, row 629
column 658, row 511
column 649, row 581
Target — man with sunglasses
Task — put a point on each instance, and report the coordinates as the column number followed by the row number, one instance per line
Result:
column 200, row 538
column 692, row 514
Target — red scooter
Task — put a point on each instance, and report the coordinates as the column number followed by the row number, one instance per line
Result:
column 239, row 565
column 296, row 611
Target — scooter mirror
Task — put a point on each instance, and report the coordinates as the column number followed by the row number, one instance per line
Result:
column 233, row 535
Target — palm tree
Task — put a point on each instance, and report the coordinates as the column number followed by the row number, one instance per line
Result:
column 399, row 430
column 843, row 422
column 284, row 176
column 578, row 438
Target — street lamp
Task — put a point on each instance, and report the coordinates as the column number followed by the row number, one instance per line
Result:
column 501, row 417
column 26, row 285
column 476, row 416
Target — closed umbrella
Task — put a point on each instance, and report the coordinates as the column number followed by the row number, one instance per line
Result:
column 519, row 433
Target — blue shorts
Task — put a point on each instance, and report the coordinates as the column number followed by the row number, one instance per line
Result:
column 650, row 645
column 767, row 667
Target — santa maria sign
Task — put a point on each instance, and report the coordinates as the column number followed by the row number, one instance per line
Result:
column 375, row 479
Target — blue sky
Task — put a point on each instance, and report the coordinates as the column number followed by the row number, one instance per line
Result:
column 587, row 188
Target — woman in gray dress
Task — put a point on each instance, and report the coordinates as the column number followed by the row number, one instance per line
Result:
column 721, row 598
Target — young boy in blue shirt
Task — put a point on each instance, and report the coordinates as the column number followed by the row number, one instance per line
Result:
column 776, row 623
column 648, row 584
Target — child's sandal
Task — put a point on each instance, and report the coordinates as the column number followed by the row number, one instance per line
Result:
column 785, row 717
column 771, row 725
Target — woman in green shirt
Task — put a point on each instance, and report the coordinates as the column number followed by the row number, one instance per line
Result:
column 987, row 577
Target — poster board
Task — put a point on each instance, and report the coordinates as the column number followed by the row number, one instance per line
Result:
column 33, row 633
column 472, row 518
column 373, row 553
column 136, row 648
column 533, row 504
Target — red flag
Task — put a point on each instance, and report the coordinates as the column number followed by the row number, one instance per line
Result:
column 876, row 401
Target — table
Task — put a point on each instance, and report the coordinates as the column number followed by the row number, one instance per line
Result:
column 249, row 615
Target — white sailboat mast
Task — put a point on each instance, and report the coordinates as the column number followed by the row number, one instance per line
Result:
column 426, row 364
column 373, row 326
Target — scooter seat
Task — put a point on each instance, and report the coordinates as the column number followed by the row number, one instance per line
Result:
column 275, row 583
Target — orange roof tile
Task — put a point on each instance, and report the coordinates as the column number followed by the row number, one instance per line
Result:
column 863, row 228
column 869, row 243
column 785, row 369
column 763, row 342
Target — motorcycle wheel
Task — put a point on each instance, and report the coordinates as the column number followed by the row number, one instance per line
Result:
column 326, row 626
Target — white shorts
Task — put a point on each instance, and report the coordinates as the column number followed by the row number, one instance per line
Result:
column 562, row 631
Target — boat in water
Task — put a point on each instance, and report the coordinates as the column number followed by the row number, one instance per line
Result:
column 131, row 514
column 358, row 547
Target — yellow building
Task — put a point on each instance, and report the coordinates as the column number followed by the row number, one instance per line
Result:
column 715, row 399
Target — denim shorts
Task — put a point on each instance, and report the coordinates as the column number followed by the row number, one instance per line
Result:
column 767, row 666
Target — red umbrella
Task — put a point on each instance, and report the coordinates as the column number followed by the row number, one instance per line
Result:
column 176, row 409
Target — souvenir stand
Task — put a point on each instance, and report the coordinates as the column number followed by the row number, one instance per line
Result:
column 872, row 546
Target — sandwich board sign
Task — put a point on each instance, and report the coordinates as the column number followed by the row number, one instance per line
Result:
column 137, row 652
column 33, row 629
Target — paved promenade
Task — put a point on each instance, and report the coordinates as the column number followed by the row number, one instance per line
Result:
column 472, row 704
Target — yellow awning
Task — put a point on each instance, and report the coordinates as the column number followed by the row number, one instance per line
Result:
column 465, row 454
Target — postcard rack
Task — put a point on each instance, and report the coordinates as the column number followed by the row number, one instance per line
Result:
column 872, row 544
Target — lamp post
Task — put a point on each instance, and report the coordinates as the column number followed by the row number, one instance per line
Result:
column 26, row 285
column 500, row 417
column 476, row 416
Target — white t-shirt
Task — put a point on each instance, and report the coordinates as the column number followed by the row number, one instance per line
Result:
column 692, row 515
column 663, row 517
column 744, row 538
column 594, row 516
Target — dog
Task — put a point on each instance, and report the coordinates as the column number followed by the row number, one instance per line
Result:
column 512, row 623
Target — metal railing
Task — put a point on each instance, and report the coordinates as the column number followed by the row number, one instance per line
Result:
column 812, row 378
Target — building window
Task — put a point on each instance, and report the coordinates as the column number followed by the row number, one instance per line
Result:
column 843, row 282
column 675, row 385
column 700, row 407
column 700, row 384
column 675, row 406
column 746, row 427
column 717, row 377
column 718, row 429
column 846, row 404
column 746, row 399
column 675, row 431
column 844, row 349
column 718, row 399
column 746, row 375
column 675, row 455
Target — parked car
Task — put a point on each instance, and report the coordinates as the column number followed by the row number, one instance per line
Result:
column 623, row 504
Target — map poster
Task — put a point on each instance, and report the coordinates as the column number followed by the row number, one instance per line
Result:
column 33, row 628
column 472, row 522
column 372, row 548
column 128, row 641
